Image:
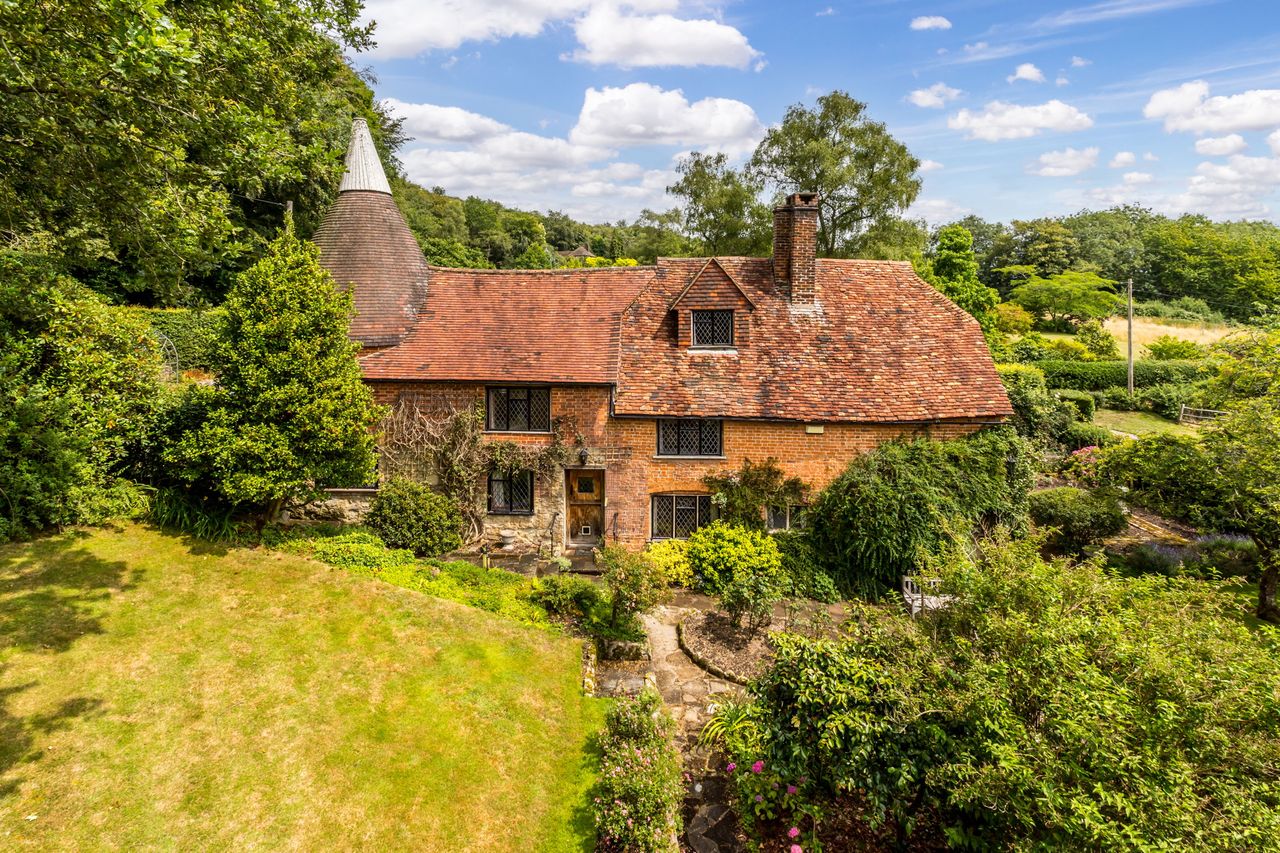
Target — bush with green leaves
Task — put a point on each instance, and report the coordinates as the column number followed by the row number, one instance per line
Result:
column 1170, row 475
column 1082, row 400
column 1096, row 375
column 1169, row 348
column 570, row 596
column 1080, row 434
column 410, row 515
column 1098, row 712
column 1097, row 341
column 1013, row 319
column 670, row 557
column 751, row 595
column 1076, row 518
column 1182, row 308
column 719, row 552
column 802, row 568
column 635, row 584
column 192, row 332
column 636, row 803
column 741, row 497
column 898, row 505
column 1168, row 398
column 1037, row 414
column 1117, row 397
column 1031, row 347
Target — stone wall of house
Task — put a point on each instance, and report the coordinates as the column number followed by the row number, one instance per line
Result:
column 626, row 449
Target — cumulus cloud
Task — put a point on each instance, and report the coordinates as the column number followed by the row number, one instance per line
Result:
column 930, row 165
column 612, row 37
column 1149, row 157
column 1061, row 81
column 1079, row 62
column 1122, row 159
column 1274, row 141
column 1238, row 188
column 1221, row 146
column 1062, row 164
column 432, row 123
column 1190, row 108
column 937, row 211
column 825, row 12
column 409, row 27
column 1000, row 120
column 644, row 114
column 1026, row 71
column 1135, row 178
column 935, row 96
column 930, row 22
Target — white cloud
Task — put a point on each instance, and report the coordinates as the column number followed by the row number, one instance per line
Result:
column 432, row 123
column 930, row 22
column 409, row 27
column 1221, row 146
column 1062, row 164
column 1149, row 157
column 1274, row 141
column 1061, row 81
column 1109, row 10
column 935, row 96
column 1000, row 120
column 1238, row 188
column 644, row 114
column 611, row 37
column 1079, row 62
column 825, row 12
column 1026, row 71
column 930, row 165
column 937, row 211
column 1122, row 159
column 1135, row 178
column 1189, row 108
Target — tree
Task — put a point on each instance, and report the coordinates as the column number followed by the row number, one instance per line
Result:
column 1245, row 449
column 861, row 172
column 140, row 135
column 289, row 412
column 722, row 207
column 953, row 269
column 1066, row 298
column 1232, row 266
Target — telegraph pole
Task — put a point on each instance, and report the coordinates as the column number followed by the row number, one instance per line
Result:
column 1130, row 337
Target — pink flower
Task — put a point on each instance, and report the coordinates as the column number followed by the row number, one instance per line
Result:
column 731, row 767
column 757, row 767
column 759, row 798
column 791, row 789
column 796, row 848
column 793, row 832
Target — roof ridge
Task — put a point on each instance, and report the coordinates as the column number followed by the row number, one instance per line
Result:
column 554, row 271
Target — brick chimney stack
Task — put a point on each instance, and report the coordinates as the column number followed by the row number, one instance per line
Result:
column 795, row 247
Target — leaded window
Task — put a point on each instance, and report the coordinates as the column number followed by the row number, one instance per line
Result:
column 677, row 516
column 511, row 492
column 690, row 437
column 712, row 328
column 519, row 409
column 787, row 517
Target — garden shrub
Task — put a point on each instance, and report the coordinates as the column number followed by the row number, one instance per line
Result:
column 1079, row 435
column 803, row 574
column 1013, row 319
column 1096, row 375
column 1225, row 555
column 1169, row 348
column 741, row 496
column 1097, row 341
column 1182, row 308
column 636, row 803
column 409, row 515
column 1078, row 517
column 1156, row 558
column 670, row 557
column 1170, row 475
column 192, row 331
column 1118, row 398
column 1067, row 350
column 1099, row 712
column 894, row 507
column 1168, row 398
column 1030, row 347
column 1036, row 413
column 635, row 584
column 1082, row 400
column 752, row 594
column 570, row 596
column 359, row 551
column 719, row 552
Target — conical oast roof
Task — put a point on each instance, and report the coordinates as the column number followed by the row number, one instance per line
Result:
column 366, row 245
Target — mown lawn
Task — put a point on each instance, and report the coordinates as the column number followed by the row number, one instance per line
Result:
column 1139, row 423
column 162, row 693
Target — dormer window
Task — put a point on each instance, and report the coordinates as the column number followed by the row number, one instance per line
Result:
column 712, row 328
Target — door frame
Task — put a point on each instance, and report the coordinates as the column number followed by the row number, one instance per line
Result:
column 603, row 503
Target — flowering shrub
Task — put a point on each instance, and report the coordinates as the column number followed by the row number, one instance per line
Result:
column 634, row 585
column 670, row 558
column 637, row 800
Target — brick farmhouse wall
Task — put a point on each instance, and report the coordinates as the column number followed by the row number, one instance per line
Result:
column 626, row 449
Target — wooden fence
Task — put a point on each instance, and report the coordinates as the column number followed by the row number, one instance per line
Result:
column 1188, row 415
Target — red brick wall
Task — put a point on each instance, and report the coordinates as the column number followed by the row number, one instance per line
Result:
column 627, row 449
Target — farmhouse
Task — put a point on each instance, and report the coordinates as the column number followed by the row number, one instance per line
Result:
column 652, row 377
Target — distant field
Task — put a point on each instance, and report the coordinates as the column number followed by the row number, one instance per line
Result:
column 1147, row 329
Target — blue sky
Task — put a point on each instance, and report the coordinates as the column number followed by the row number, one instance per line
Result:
column 1019, row 109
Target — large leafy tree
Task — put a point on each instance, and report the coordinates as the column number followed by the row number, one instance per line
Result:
column 145, row 138
column 1233, row 266
column 289, row 412
column 953, row 269
column 721, row 206
column 861, row 171
column 1066, row 298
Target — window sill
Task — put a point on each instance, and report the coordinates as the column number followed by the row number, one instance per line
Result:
column 517, row 432
column 518, row 513
column 713, row 350
column 692, row 458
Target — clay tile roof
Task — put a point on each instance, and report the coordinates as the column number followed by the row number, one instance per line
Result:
column 879, row 345
column 555, row 326
column 366, row 245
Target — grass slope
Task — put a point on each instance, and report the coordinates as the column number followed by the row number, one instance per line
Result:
column 1139, row 423
column 162, row 693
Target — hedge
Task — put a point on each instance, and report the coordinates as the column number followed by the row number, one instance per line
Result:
column 194, row 332
column 1096, row 375
column 1082, row 400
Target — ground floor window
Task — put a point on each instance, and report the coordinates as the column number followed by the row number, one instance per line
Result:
column 511, row 492
column 787, row 517
column 677, row 516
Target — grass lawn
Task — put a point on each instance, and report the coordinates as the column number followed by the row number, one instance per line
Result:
column 1139, row 423
column 161, row 693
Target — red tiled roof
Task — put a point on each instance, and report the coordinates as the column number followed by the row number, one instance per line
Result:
column 515, row 326
column 365, row 245
column 879, row 344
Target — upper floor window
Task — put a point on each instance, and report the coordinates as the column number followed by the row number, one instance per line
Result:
column 519, row 409
column 690, row 437
column 712, row 328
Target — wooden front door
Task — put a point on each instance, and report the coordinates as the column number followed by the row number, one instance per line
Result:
column 584, row 506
